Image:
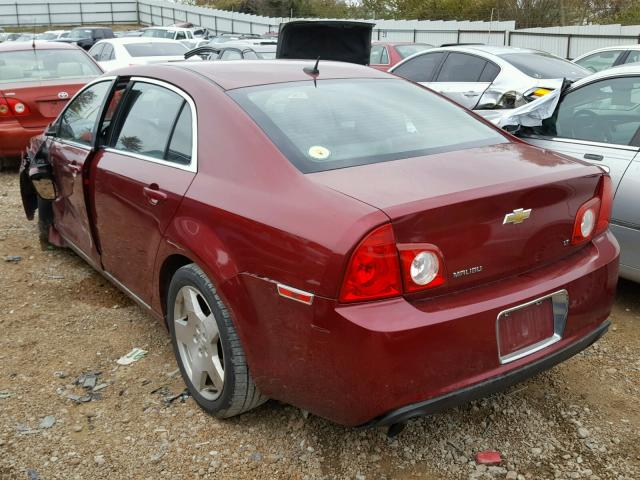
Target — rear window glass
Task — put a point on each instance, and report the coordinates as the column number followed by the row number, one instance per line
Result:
column 343, row 123
column 156, row 49
column 30, row 65
column 155, row 33
column 406, row 50
column 542, row 65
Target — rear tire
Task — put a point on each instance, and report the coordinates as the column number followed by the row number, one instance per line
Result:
column 207, row 347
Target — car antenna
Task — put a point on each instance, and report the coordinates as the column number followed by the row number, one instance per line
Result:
column 314, row 70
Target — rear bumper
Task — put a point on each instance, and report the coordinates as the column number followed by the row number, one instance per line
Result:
column 14, row 138
column 384, row 361
column 488, row 387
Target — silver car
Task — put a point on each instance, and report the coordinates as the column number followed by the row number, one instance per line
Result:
column 603, row 58
column 598, row 120
column 483, row 77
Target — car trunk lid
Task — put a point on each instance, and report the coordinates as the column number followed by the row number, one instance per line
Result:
column 464, row 203
column 44, row 100
column 328, row 40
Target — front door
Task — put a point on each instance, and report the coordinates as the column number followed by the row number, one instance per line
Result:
column 69, row 154
column 141, row 178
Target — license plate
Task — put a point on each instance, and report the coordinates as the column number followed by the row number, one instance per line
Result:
column 530, row 327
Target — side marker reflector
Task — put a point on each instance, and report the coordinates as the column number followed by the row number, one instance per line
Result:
column 295, row 294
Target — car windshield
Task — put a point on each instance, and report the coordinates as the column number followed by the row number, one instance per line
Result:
column 156, row 33
column 544, row 65
column 156, row 49
column 406, row 50
column 332, row 124
column 31, row 65
column 80, row 33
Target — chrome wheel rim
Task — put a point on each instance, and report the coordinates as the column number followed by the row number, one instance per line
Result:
column 198, row 341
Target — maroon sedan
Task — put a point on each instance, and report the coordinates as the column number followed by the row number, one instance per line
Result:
column 339, row 239
column 36, row 81
column 385, row 55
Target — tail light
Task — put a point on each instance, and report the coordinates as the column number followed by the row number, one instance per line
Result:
column 536, row 93
column 422, row 266
column 373, row 271
column 13, row 106
column 379, row 268
column 593, row 216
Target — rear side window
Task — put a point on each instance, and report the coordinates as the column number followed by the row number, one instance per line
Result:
column 358, row 122
column 375, row 58
column 107, row 53
column 634, row 56
column 181, row 140
column 78, row 121
column 490, row 72
column 421, row 68
column 460, row 67
column 96, row 51
column 231, row 54
column 151, row 116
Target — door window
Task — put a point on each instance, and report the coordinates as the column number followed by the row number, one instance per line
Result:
column 606, row 111
column 460, row 67
column 181, row 36
column 153, row 115
column 78, row 121
column 421, row 68
column 600, row 61
column 181, row 141
column 490, row 72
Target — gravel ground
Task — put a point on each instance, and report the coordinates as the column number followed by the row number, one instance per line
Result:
column 59, row 319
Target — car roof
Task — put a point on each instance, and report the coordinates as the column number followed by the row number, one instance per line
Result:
column 169, row 29
column 490, row 49
column 393, row 44
column 40, row 45
column 249, row 46
column 230, row 75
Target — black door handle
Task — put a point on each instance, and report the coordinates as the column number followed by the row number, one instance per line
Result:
column 593, row 156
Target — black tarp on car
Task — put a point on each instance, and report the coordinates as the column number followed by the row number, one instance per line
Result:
column 329, row 40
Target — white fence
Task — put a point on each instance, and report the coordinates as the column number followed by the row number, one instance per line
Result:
column 568, row 42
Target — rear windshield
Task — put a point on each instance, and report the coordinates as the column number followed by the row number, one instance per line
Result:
column 32, row 65
column 406, row 50
column 158, row 33
column 156, row 49
column 542, row 65
column 343, row 123
column 80, row 34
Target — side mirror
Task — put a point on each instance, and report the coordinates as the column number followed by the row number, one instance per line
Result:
column 51, row 130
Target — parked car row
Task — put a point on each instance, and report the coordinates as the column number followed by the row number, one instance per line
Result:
column 311, row 226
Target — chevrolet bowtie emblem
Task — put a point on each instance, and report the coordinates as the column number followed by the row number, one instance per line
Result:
column 517, row 216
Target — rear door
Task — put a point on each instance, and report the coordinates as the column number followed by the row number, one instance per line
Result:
column 69, row 154
column 460, row 78
column 141, row 177
column 598, row 122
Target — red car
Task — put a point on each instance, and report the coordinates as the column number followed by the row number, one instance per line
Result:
column 385, row 55
column 36, row 81
column 329, row 235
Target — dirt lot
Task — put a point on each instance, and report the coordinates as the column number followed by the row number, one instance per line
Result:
column 59, row 319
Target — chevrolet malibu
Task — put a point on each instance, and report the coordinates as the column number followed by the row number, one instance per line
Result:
column 327, row 234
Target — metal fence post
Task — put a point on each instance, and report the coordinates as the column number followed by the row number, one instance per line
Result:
column 215, row 23
column 508, row 38
column 250, row 27
column 81, row 17
column 458, row 36
column 110, row 10
column 415, row 33
column 568, row 46
column 138, row 11
column 173, row 10
column 17, row 15
column 49, row 13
